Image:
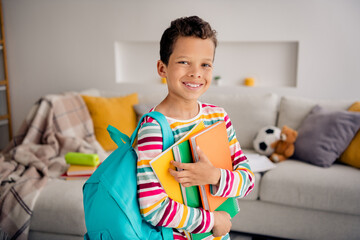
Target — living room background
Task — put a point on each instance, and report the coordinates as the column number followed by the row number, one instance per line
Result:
column 57, row 46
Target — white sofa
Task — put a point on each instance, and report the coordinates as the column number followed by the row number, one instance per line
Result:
column 295, row 200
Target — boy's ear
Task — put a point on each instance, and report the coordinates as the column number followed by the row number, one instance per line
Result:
column 162, row 69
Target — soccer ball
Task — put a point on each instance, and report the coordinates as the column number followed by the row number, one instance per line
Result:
column 264, row 138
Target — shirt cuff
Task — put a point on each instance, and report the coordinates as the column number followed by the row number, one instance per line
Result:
column 218, row 190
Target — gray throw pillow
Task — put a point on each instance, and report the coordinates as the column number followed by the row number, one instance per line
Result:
column 324, row 135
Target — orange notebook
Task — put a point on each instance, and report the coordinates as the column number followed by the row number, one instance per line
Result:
column 161, row 164
column 214, row 142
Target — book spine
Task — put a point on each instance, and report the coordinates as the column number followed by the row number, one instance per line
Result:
column 193, row 149
column 202, row 190
column 177, row 158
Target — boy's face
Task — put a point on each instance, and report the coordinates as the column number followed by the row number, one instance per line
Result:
column 189, row 71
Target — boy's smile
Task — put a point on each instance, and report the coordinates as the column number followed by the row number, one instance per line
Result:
column 189, row 71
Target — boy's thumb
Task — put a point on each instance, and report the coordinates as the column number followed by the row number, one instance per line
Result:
column 201, row 154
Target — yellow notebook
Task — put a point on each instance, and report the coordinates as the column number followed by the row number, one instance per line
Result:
column 161, row 164
column 80, row 170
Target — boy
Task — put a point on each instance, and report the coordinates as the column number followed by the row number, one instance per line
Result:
column 187, row 50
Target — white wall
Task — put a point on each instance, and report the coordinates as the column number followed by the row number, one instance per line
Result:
column 56, row 46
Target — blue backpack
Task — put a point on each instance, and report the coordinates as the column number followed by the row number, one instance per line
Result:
column 110, row 194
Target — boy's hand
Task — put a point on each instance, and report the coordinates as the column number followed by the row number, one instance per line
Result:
column 199, row 173
column 222, row 224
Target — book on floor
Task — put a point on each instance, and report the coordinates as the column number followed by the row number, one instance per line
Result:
column 161, row 164
column 80, row 170
column 182, row 153
column 214, row 142
column 75, row 177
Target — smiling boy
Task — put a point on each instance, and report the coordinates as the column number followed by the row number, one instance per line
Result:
column 187, row 50
column 188, row 73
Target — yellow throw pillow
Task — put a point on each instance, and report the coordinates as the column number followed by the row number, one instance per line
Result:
column 116, row 111
column 351, row 155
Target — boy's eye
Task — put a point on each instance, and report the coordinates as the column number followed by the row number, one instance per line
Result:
column 183, row 62
column 206, row 65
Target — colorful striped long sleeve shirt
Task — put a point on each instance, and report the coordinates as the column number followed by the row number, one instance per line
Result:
column 155, row 205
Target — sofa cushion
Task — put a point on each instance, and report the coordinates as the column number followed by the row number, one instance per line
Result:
column 351, row 155
column 324, row 135
column 293, row 110
column 299, row 184
column 116, row 111
column 248, row 113
column 59, row 208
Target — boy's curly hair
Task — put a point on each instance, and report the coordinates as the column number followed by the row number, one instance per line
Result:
column 184, row 27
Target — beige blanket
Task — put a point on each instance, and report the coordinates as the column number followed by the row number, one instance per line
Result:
column 56, row 124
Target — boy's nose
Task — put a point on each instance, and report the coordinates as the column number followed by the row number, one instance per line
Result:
column 195, row 73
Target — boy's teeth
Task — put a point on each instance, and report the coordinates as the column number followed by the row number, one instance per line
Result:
column 192, row 85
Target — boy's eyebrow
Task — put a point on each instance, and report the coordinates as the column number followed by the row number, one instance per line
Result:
column 181, row 57
column 205, row 59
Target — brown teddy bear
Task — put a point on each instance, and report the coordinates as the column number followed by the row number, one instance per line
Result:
column 284, row 148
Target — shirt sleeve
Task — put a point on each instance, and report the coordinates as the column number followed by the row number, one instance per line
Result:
column 240, row 181
column 155, row 205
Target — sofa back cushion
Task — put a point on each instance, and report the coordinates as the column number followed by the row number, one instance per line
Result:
column 248, row 113
column 293, row 110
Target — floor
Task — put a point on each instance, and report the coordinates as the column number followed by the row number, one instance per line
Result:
column 239, row 236
column 243, row 236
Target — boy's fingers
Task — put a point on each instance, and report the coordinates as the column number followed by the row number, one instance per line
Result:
column 176, row 164
column 187, row 184
column 181, row 165
column 177, row 174
column 174, row 173
column 202, row 156
column 180, row 177
column 199, row 151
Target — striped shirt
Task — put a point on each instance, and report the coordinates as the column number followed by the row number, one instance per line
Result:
column 155, row 205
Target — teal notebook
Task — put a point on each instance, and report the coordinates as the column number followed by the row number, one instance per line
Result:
column 230, row 206
column 191, row 196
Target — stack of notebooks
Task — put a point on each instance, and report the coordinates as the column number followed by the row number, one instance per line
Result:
column 82, row 165
column 213, row 141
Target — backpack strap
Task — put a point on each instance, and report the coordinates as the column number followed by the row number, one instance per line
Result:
column 168, row 137
column 120, row 138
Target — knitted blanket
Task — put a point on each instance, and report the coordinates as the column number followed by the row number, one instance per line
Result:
column 56, row 124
